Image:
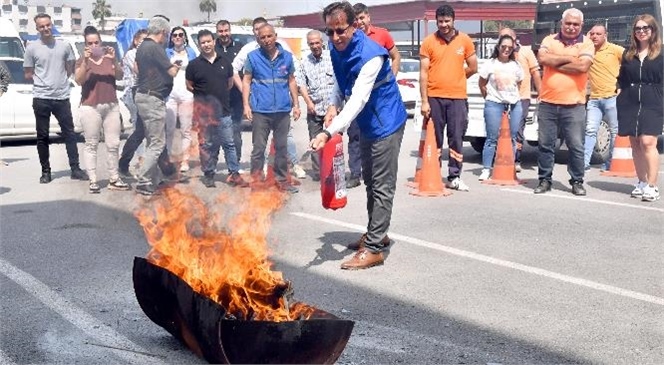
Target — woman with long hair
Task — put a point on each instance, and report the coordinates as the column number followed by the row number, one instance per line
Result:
column 639, row 103
column 500, row 79
column 97, row 71
column 180, row 102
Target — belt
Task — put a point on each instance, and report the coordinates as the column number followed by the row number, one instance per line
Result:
column 151, row 93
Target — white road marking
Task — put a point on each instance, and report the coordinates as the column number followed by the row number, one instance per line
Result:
column 498, row 262
column 92, row 327
column 590, row 200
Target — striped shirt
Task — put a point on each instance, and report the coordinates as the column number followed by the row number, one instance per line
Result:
column 317, row 75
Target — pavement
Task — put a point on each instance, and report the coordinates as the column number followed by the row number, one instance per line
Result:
column 496, row 275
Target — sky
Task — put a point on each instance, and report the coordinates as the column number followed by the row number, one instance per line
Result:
column 177, row 10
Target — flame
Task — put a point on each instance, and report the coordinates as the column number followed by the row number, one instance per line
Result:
column 227, row 263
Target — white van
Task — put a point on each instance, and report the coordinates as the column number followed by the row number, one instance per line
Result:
column 11, row 45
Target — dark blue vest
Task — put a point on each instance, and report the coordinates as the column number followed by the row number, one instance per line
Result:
column 384, row 113
column 269, row 84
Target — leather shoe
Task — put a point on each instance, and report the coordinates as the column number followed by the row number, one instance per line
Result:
column 543, row 187
column 45, row 177
column 353, row 182
column 363, row 259
column 385, row 242
column 578, row 189
column 78, row 174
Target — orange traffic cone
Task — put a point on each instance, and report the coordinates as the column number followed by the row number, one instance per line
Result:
column 418, row 167
column 622, row 164
column 504, row 171
column 270, row 177
column 430, row 183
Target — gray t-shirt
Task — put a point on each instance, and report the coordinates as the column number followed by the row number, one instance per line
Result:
column 49, row 61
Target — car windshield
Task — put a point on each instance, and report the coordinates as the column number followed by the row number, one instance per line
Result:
column 11, row 47
column 15, row 68
column 81, row 45
column 409, row 66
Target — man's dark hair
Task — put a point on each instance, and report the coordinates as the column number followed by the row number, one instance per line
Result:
column 340, row 7
column 41, row 15
column 223, row 22
column 445, row 10
column 90, row 30
column 360, row 8
column 258, row 20
column 203, row 33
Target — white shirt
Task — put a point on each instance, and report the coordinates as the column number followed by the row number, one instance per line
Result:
column 359, row 95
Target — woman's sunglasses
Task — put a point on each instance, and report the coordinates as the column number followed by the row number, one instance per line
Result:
column 177, row 35
column 643, row 29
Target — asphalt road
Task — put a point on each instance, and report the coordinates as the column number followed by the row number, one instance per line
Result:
column 494, row 275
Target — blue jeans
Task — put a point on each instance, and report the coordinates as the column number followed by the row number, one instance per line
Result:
column 571, row 121
column 596, row 110
column 493, row 115
column 213, row 135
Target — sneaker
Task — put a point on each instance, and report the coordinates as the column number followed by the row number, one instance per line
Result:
column 124, row 172
column 118, row 184
column 184, row 167
column 145, row 189
column 208, row 181
column 578, row 189
column 298, row 172
column 638, row 189
column 486, row 173
column 235, row 179
column 94, row 188
column 517, row 166
column 45, row 177
column 457, row 184
column 650, row 193
column 78, row 174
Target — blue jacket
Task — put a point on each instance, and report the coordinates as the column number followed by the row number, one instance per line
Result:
column 384, row 113
column 191, row 54
column 269, row 84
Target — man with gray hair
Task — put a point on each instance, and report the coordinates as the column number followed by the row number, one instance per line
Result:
column 566, row 58
column 155, row 81
column 316, row 83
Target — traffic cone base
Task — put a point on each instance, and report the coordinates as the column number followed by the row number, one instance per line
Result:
column 504, row 171
column 418, row 167
column 430, row 184
column 622, row 164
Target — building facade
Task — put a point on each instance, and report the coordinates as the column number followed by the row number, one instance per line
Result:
column 66, row 19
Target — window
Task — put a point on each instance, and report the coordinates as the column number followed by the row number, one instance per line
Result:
column 41, row 9
column 7, row 9
column 11, row 47
column 57, row 10
column 22, row 9
column 58, row 22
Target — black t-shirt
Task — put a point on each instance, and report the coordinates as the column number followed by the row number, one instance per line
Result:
column 210, row 81
column 153, row 65
column 229, row 53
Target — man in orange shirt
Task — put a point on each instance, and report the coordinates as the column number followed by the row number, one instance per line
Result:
column 383, row 38
column 566, row 57
column 443, row 76
column 531, row 73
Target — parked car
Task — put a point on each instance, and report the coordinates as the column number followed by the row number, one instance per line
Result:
column 408, row 80
column 17, row 120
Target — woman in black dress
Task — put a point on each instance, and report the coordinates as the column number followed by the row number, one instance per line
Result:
column 640, row 105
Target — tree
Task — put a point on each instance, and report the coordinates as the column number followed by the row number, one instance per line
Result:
column 101, row 10
column 496, row 25
column 207, row 6
column 244, row 21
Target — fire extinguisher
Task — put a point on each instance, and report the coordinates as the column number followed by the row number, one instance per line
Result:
column 333, row 174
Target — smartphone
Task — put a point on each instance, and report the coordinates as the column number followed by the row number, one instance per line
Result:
column 178, row 62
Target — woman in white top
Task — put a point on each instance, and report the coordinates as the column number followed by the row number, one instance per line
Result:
column 180, row 103
column 500, row 78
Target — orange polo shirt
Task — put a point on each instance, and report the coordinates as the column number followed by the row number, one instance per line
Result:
column 528, row 62
column 604, row 71
column 447, row 75
column 563, row 88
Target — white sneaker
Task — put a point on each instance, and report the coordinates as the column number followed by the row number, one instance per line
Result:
column 638, row 189
column 650, row 193
column 486, row 173
column 517, row 167
column 457, row 184
column 298, row 171
column 184, row 167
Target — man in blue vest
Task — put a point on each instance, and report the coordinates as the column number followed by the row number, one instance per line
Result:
column 269, row 93
column 365, row 80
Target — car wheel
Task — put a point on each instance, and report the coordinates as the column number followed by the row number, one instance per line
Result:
column 478, row 144
column 602, row 149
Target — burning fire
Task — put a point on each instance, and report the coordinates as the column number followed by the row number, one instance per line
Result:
column 222, row 255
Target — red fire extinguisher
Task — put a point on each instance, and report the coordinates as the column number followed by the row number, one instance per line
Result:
column 333, row 174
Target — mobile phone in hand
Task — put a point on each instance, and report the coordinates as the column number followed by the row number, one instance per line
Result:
column 178, row 62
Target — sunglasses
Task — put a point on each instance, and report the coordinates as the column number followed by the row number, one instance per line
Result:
column 338, row 31
column 643, row 29
column 177, row 35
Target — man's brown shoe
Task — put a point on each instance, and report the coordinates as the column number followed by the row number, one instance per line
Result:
column 360, row 243
column 363, row 259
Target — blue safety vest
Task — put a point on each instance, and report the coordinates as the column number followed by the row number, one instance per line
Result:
column 269, row 83
column 384, row 113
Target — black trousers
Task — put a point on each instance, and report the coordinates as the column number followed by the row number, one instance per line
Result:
column 61, row 110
